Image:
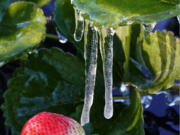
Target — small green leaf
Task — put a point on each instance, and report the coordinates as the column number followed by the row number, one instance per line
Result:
column 50, row 81
column 21, row 28
column 64, row 18
column 161, row 54
column 40, row 3
column 115, row 12
column 153, row 62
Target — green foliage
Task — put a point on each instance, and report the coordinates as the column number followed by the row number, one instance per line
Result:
column 52, row 80
column 21, row 28
column 48, row 82
column 40, row 3
column 115, row 12
column 3, row 6
column 157, row 58
column 66, row 22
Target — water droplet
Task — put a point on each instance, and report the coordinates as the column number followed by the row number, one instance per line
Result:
column 90, row 55
column 2, row 63
column 33, row 52
column 62, row 38
column 124, row 90
column 146, row 101
column 79, row 26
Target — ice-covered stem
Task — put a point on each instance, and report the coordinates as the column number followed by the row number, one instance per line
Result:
column 106, row 49
column 90, row 55
column 79, row 26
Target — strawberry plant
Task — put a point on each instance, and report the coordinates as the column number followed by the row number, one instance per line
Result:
column 114, row 45
column 51, row 124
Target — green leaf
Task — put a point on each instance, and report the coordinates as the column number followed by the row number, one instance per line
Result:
column 40, row 3
column 54, row 81
column 21, row 28
column 115, row 12
column 50, row 81
column 151, row 63
column 161, row 54
column 3, row 5
column 127, row 120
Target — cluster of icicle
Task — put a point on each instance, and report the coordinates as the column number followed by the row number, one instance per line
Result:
column 91, row 42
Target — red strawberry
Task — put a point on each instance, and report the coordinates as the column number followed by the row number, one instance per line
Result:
column 46, row 123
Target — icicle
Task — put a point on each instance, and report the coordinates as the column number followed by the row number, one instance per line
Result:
column 79, row 26
column 106, row 47
column 62, row 38
column 90, row 55
column 178, row 18
column 146, row 101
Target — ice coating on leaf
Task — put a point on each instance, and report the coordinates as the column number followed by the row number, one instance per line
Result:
column 112, row 13
column 90, row 55
column 79, row 26
column 106, row 47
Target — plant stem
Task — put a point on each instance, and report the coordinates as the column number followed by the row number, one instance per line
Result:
column 52, row 36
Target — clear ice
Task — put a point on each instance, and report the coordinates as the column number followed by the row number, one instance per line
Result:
column 90, row 55
column 79, row 26
column 106, row 48
column 146, row 101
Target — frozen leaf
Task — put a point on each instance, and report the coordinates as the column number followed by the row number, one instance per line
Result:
column 21, row 28
column 115, row 12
